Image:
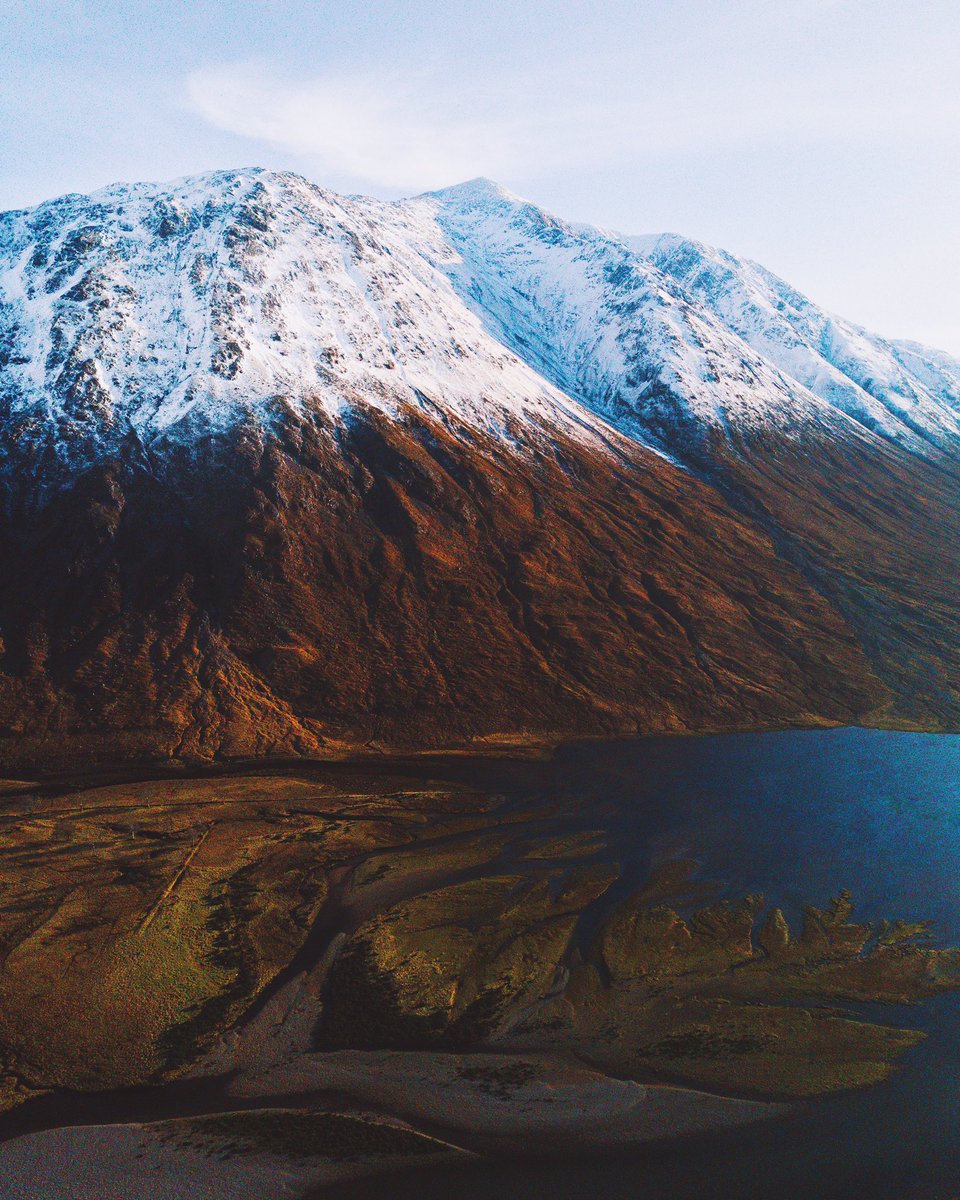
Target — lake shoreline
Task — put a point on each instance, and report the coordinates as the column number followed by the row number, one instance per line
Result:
column 535, row 749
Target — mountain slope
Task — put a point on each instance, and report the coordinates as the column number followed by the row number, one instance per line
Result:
column 899, row 389
column 394, row 583
column 842, row 446
column 287, row 472
column 670, row 339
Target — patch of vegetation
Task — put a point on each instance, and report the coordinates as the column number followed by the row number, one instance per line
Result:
column 361, row 1010
column 704, row 1043
column 299, row 1135
column 180, row 1043
column 474, row 1025
column 500, row 1079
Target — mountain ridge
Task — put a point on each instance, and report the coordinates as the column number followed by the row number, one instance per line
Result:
column 285, row 472
column 688, row 364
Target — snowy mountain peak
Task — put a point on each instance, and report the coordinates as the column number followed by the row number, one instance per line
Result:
column 157, row 311
column 144, row 308
column 902, row 391
column 480, row 191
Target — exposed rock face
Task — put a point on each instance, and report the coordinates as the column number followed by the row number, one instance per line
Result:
column 284, row 472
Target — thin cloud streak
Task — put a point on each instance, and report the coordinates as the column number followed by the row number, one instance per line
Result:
column 384, row 131
column 415, row 131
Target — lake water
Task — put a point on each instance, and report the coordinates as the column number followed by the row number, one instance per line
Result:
column 796, row 815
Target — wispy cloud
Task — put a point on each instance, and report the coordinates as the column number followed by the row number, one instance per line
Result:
column 419, row 130
column 390, row 130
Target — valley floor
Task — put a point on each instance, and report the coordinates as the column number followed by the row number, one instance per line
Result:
column 247, row 983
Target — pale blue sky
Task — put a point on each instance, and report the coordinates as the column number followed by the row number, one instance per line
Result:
column 821, row 137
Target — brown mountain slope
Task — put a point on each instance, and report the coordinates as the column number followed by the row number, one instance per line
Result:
column 877, row 532
column 400, row 582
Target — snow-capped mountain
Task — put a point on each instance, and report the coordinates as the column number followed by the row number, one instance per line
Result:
column 607, row 326
column 142, row 308
column 283, row 471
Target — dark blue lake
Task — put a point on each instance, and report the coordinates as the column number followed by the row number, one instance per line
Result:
column 796, row 815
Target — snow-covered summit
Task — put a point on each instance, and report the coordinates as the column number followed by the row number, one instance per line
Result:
column 153, row 311
column 146, row 308
column 480, row 192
